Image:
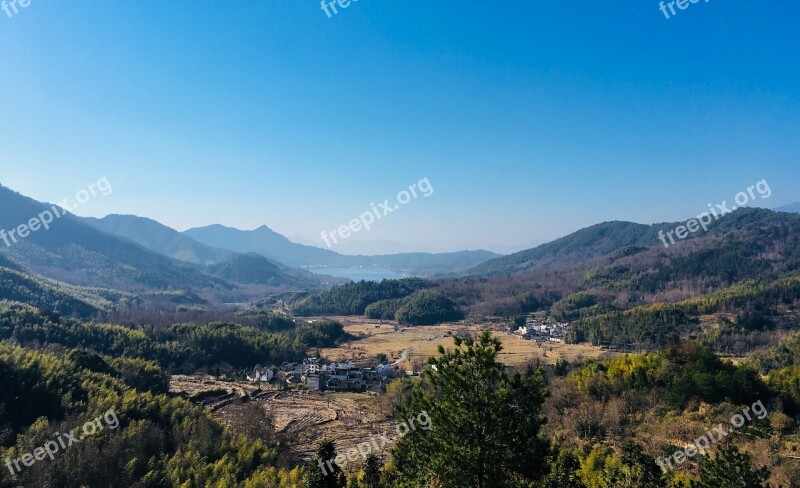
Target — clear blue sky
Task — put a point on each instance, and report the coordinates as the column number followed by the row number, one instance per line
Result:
column 531, row 119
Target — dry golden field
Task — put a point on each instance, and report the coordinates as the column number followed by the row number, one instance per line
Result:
column 421, row 342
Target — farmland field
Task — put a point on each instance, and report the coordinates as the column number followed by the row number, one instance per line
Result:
column 301, row 418
column 421, row 342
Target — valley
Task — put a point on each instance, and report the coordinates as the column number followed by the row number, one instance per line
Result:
column 633, row 344
column 410, row 347
column 273, row 295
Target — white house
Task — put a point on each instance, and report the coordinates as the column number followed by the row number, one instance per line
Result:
column 260, row 375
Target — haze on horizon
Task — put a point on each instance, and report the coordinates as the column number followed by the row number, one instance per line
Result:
column 271, row 113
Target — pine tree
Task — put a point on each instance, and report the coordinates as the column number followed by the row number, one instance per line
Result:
column 484, row 422
column 372, row 472
column 324, row 473
column 730, row 468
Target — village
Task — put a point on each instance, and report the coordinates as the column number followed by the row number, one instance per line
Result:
column 340, row 392
column 542, row 330
column 373, row 376
column 340, row 376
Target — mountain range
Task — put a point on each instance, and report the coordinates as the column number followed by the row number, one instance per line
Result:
column 269, row 243
column 83, row 263
column 76, row 253
column 216, row 244
column 131, row 253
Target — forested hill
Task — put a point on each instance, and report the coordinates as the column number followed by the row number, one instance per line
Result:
column 744, row 224
column 24, row 287
column 76, row 253
column 253, row 268
column 585, row 244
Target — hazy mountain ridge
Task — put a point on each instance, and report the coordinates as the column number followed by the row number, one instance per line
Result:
column 273, row 245
column 74, row 250
column 791, row 208
column 252, row 268
column 621, row 262
column 223, row 263
column 264, row 241
column 159, row 238
column 76, row 253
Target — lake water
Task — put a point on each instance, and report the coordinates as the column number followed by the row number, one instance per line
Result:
column 359, row 274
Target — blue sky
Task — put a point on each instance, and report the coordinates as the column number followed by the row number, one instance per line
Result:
column 531, row 119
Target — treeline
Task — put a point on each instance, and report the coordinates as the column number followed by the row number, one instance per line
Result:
column 647, row 326
column 579, row 305
column 423, row 307
column 749, row 295
column 785, row 354
column 781, row 364
column 178, row 348
column 354, row 298
column 730, row 261
column 16, row 285
column 409, row 301
column 656, row 325
column 684, row 374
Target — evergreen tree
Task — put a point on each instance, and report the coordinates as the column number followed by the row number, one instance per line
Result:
column 324, row 472
column 563, row 472
column 372, row 472
column 730, row 468
column 484, row 422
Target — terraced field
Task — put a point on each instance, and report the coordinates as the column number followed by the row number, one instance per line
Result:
column 301, row 418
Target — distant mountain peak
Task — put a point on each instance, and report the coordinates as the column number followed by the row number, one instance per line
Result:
column 791, row 208
column 273, row 245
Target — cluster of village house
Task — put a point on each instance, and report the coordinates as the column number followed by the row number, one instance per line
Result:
column 543, row 331
column 339, row 376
